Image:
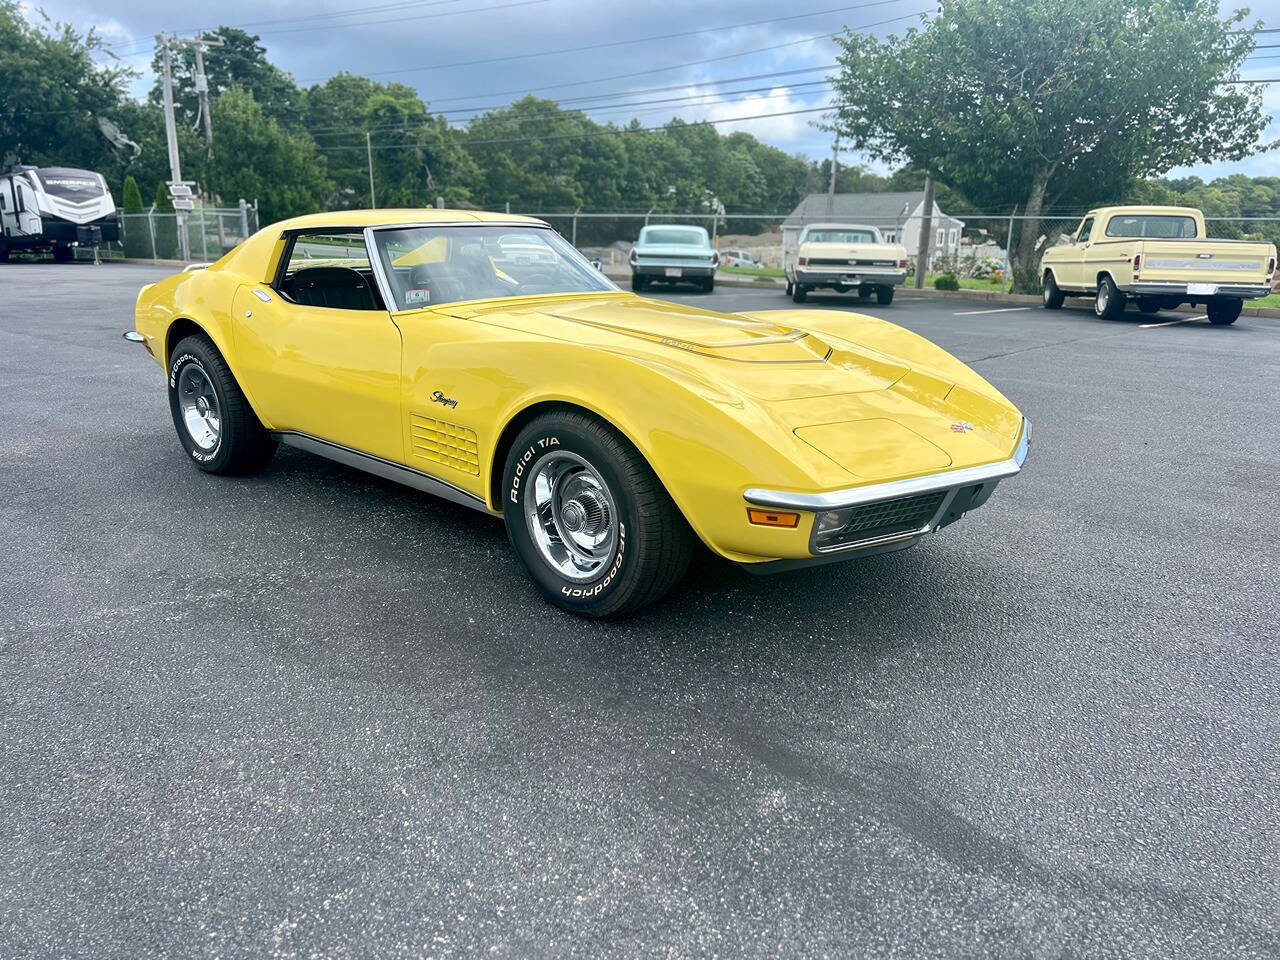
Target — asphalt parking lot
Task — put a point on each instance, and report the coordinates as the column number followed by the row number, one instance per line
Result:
column 311, row 713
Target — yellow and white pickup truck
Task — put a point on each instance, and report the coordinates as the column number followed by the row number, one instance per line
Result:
column 1159, row 257
column 845, row 256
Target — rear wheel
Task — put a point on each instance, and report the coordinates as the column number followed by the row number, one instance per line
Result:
column 1109, row 302
column 799, row 293
column 884, row 296
column 215, row 424
column 589, row 519
column 639, row 283
column 4, row 253
column 62, row 254
column 1223, row 312
column 708, row 284
column 1053, row 297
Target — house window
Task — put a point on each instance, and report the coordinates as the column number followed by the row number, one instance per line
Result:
column 951, row 239
column 942, row 236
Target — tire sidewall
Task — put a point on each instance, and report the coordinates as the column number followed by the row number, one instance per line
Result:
column 187, row 353
column 599, row 594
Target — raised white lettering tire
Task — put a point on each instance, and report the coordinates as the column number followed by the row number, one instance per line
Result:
column 216, row 426
column 589, row 519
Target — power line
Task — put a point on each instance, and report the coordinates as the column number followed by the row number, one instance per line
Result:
column 350, row 12
column 603, row 108
column 619, row 43
column 611, row 131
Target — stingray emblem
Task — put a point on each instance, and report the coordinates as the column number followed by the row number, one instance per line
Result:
column 962, row 427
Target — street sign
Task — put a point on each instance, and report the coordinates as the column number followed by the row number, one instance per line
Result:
column 180, row 189
column 181, row 203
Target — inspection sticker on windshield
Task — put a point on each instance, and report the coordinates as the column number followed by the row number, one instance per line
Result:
column 417, row 296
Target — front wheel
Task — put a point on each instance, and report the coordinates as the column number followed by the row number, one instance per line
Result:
column 215, row 424
column 790, row 287
column 1223, row 312
column 1053, row 297
column 884, row 296
column 1109, row 302
column 589, row 519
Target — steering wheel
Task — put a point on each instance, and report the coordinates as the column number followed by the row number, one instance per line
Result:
column 539, row 277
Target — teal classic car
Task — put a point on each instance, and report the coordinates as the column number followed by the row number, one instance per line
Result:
column 669, row 253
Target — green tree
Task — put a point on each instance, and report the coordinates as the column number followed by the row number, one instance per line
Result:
column 257, row 159
column 166, row 224
column 1041, row 104
column 52, row 93
column 137, row 238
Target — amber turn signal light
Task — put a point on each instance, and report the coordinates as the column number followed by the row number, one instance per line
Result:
column 771, row 518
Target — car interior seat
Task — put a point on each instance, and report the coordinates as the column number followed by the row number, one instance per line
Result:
column 341, row 288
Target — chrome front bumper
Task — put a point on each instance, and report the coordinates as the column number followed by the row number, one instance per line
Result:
column 962, row 490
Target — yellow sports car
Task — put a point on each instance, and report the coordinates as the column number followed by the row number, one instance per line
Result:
column 479, row 357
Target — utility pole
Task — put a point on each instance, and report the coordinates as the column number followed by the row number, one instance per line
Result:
column 368, row 149
column 831, row 188
column 171, row 134
column 199, row 45
column 926, row 228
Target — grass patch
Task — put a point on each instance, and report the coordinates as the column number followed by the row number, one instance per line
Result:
column 752, row 271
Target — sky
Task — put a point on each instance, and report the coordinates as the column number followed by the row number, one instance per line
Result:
column 535, row 46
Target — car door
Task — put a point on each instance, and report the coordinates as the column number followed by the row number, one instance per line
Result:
column 1073, row 271
column 318, row 352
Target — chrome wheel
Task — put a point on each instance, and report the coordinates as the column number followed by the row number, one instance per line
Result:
column 199, row 406
column 572, row 515
column 1104, row 298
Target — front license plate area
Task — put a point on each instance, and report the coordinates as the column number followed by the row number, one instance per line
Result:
column 674, row 272
column 1202, row 289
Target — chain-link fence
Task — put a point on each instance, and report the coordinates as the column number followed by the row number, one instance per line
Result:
column 203, row 234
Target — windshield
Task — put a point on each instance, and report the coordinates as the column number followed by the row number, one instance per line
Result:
column 686, row 237
column 1152, row 225
column 433, row 265
column 840, row 236
column 70, row 184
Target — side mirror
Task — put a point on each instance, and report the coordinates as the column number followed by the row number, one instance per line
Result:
column 597, row 265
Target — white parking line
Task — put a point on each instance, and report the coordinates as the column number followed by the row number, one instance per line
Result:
column 1170, row 323
column 974, row 313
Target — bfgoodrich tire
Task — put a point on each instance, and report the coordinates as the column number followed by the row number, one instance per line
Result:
column 216, row 426
column 589, row 519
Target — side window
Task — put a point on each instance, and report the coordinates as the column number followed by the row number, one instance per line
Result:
column 328, row 269
column 1086, row 228
column 951, row 238
column 942, row 236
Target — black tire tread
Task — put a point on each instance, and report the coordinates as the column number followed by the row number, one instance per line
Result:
column 250, row 446
column 660, row 520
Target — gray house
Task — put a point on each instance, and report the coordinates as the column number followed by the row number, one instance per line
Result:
column 898, row 215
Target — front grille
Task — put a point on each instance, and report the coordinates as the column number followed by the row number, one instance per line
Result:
column 822, row 262
column 886, row 518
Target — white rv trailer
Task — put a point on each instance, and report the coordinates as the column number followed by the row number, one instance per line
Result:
column 55, row 208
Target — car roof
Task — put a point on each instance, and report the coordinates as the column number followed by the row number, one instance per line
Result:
column 257, row 256
column 1141, row 210
column 840, row 226
column 388, row 218
column 673, row 226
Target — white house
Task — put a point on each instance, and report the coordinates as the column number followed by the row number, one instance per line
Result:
column 898, row 215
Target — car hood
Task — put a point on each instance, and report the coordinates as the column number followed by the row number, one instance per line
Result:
column 764, row 358
column 841, row 383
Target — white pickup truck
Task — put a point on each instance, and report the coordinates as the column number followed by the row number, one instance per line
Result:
column 845, row 256
column 1158, row 257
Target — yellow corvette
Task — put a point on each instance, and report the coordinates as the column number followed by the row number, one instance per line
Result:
column 479, row 357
